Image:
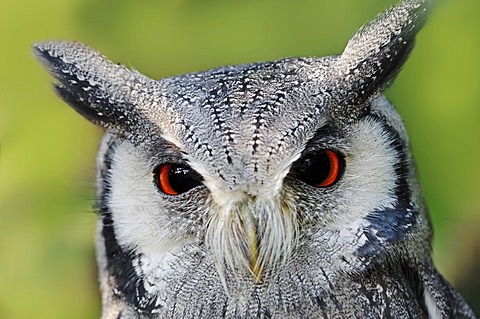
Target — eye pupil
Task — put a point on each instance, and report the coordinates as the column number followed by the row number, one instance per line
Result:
column 319, row 169
column 175, row 179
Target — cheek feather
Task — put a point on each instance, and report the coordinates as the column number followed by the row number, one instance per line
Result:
column 140, row 219
column 370, row 176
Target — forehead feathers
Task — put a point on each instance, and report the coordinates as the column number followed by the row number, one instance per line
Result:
column 248, row 113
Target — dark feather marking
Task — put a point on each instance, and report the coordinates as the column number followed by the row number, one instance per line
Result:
column 129, row 286
column 389, row 226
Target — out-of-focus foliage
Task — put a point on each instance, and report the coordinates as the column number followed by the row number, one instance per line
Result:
column 47, row 267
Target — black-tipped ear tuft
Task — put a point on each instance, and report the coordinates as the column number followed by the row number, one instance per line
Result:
column 377, row 52
column 95, row 87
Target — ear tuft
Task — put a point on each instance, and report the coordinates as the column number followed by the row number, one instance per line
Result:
column 377, row 52
column 91, row 84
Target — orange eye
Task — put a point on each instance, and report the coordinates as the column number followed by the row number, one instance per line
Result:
column 332, row 171
column 319, row 169
column 175, row 179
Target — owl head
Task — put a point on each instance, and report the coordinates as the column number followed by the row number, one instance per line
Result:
column 249, row 171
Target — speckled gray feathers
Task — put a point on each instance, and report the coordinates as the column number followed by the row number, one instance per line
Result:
column 360, row 248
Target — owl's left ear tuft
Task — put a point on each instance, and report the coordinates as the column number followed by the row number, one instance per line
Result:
column 376, row 53
column 92, row 85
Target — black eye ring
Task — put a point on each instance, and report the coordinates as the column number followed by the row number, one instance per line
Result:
column 175, row 179
column 319, row 169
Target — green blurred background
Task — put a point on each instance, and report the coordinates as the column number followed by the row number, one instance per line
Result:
column 47, row 261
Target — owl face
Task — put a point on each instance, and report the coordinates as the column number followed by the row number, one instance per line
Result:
column 247, row 175
column 268, row 185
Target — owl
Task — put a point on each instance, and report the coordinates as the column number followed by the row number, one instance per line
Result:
column 281, row 189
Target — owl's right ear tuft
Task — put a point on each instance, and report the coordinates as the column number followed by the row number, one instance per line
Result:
column 376, row 53
column 92, row 85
